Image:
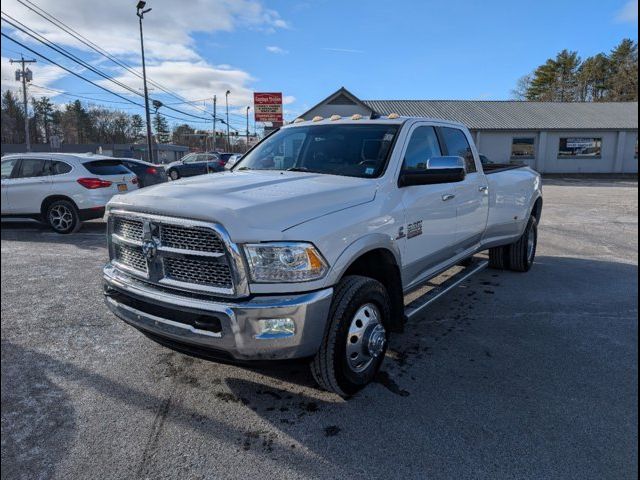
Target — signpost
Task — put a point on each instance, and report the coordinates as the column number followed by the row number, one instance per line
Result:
column 268, row 108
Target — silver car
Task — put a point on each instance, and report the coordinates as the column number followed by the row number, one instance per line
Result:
column 61, row 189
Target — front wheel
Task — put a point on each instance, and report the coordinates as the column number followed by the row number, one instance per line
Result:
column 63, row 217
column 174, row 175
column 355, row 342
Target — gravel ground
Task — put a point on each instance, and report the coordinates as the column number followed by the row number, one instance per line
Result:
column 510, row 376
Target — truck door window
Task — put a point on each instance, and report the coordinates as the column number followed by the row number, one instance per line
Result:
column 457, row 144
column 422, row 146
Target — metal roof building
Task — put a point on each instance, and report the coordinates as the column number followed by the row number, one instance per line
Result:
column 552, row 137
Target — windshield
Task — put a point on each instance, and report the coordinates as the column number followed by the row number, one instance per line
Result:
column 347, row 150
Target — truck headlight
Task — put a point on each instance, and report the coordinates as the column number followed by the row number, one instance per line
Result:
column 285, row 262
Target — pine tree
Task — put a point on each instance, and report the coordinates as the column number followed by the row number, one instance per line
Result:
column 12, row 119
column 623, row 80
column 161, row 126
column 137, row 127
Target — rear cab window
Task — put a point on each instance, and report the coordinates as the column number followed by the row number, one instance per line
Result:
column 457, row 145
column 106, row 167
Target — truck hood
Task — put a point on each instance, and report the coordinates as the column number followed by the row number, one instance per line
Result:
column 251, row 203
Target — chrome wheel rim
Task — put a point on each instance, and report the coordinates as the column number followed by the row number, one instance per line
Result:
column 61, row 217
column 366, row 339
column 531, row 245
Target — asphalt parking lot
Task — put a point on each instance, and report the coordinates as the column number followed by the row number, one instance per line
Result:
column 510, row 376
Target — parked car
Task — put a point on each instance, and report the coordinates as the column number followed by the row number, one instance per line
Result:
column 307, row 248
column 194, row 164
column 233, row 159
column 147, row 173
column 62, row 189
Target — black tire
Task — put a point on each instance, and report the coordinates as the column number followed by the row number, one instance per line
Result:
column 331, row 367
column 499, row 258
column 174, row 174
column 523, row 252
column 63, row 217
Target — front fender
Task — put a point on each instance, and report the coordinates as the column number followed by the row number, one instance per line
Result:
column 372, row 241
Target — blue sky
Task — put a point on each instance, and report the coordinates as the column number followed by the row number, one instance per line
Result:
column 377, row 49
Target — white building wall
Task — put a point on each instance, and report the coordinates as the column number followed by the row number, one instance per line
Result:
column 630, row 161
column 604, row 164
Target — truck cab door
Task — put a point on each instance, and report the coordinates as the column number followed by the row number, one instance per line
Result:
column 429, row 234
column 472, row 194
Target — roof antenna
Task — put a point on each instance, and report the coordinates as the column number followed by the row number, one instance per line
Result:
column 374, row 115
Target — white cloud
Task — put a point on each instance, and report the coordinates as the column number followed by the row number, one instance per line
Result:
column 628, row 13
column 277, row 50
column 342, row 50
column 172, row 57
column 195, row 81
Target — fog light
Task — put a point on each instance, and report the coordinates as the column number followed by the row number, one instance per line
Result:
column 276, row 328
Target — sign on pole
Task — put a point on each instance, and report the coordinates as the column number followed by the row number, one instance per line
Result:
column 268, row 107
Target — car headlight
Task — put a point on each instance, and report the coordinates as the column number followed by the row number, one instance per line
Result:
column 285, row 262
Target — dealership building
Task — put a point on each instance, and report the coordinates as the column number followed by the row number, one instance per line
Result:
column 551, row 137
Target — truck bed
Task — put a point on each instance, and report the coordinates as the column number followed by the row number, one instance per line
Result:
column 500, row 167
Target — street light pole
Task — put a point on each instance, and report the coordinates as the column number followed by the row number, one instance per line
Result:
column 214, row 122
column 226, row 98
column 247, row 143
column 140, row 13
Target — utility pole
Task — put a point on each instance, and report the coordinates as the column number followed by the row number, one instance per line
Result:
column 247, row 143
column 226, row 97
column 25, row 75
column 215, row 99
column 140, row 13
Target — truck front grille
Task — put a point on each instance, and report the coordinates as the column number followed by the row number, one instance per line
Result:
column 199, row 239
column 201, row 272
column 175, row 253
column 131, row 257
column 128, row 228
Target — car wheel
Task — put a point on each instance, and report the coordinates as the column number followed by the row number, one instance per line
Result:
column 355, row 342
column 523, row 252
column 174, row 175
column 63, row 217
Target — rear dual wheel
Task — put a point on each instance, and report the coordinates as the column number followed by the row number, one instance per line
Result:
column 520, row 255
column 355, row 343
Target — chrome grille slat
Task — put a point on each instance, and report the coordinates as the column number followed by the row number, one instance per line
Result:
column 200, row 272
column 198, row 239
column 128, row 228
column 131, row 257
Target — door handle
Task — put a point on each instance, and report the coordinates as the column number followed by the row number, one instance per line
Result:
column 448, row 196
column 483, row 189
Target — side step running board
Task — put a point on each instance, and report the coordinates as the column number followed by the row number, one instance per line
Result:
column 420, row 303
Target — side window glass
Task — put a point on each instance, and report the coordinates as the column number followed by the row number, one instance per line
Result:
column 457, row 145
column 422, row 146
column 59, row 168
column 31, row 167
column 7, row 167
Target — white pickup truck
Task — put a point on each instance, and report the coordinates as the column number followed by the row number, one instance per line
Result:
column 309, row 245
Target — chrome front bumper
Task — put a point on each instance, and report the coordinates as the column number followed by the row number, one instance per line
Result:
column 239, row 328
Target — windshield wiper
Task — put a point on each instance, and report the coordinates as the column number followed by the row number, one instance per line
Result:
column 300, row 169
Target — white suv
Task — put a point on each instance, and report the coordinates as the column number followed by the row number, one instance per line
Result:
column 62, row 190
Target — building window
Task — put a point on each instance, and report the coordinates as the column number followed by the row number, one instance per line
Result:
column 523, row 148
column 571, row 147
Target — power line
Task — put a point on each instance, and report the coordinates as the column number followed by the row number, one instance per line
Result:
column 40, row 38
